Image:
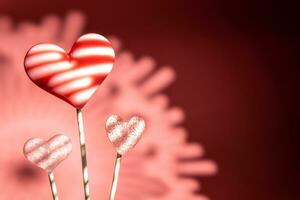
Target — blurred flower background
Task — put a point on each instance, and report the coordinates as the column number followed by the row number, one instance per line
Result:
column 232, row 87
column 162, row 166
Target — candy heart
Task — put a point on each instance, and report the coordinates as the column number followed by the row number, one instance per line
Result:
column 48, row 154
column 75, row 76
column 124, row 135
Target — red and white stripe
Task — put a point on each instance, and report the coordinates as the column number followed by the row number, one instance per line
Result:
column 73, row 76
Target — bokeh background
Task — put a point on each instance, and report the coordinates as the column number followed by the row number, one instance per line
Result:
column 236, row 79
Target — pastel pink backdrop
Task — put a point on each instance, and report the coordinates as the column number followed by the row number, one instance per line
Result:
column 162, row 166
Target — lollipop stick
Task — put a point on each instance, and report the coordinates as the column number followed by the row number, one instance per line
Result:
column 114, row 185
column 53, row 186
column 83, row 156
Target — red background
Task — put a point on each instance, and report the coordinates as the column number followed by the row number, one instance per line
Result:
column 236, row 65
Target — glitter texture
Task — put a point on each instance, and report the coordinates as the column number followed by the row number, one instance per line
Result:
column 124, row 135
column 47, row 155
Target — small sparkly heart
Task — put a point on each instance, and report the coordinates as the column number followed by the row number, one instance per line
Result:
column 47, row 154
column 75, row 76
column 124, row 135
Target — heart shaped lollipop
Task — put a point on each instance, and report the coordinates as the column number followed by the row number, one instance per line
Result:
column 48, row 154
column 74, row 76
column 124, row 135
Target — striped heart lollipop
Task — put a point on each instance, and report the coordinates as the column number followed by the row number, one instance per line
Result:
column 74, row 76
column 48, row 154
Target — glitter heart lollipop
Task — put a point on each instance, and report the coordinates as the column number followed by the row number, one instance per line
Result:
column 47, row 154
column 74, row 76
column 124, row 135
